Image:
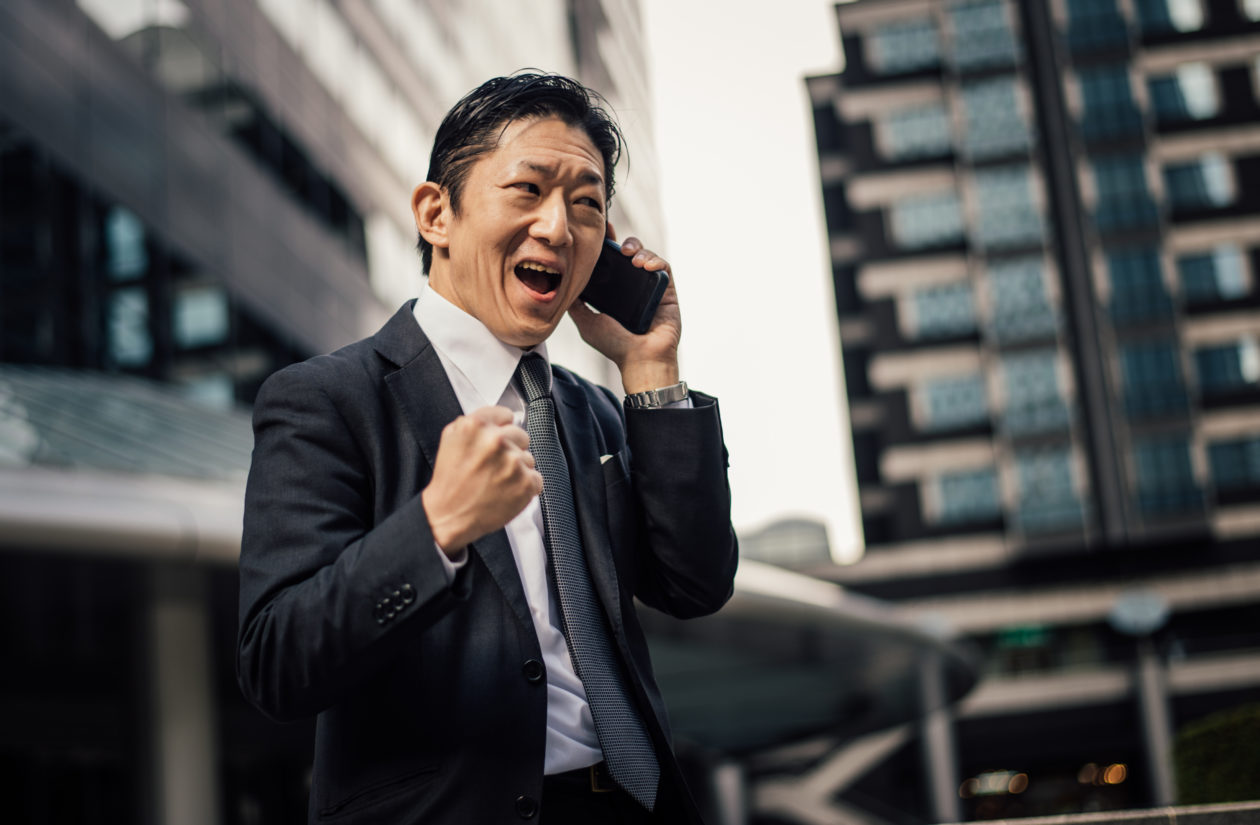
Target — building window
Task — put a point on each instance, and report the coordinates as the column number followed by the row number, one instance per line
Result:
column 982, row 34
column 129, row 339
column 1189, row 93
column 1218, row 274
column 898, row 48
column 1165, row 476
column 968, row 496
column 944, row 311
column 953, row 403
column 126, row 255
column 1235, row 463
column 1020, row 310
column 1048, row 501
column 1163, row 16
column 993, row 122
column 199, row 316
column 1124, row 202
column 1007, row 215
column 1204, row 183
column 1095, row 25
column 1034, row 400
column 1108, row 110
column 927, row 220
column 1152, row 378
column 1138, row 292
column 1227, row 368
column 915, row 132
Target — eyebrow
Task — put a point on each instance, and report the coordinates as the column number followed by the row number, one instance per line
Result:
column 551, row 170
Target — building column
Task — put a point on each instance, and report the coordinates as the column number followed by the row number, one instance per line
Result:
column 1152, row 690
column 182, row 727
column 940, row 763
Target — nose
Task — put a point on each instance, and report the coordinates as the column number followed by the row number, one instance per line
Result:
column 551, row 222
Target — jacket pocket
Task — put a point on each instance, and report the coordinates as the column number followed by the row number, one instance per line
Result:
column 369, row 795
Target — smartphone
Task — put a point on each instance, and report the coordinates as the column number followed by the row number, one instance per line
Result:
column 623, row 290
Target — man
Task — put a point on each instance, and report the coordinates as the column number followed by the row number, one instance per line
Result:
column 470, row 646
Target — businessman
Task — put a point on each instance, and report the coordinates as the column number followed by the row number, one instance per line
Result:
column 445, row 533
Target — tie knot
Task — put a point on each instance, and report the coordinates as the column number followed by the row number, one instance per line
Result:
column 534, row 377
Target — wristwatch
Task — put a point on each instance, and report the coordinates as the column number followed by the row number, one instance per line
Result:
column 652, row 399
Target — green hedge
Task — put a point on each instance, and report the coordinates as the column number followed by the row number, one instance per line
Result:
column 1218, row 757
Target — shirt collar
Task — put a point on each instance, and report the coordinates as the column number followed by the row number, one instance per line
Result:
column 469, row 345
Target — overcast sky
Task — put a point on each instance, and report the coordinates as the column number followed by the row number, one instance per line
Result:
column 748, row 242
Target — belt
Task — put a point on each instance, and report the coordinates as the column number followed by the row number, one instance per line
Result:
column 593, row 779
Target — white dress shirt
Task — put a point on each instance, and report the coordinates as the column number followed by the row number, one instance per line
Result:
column 480, row 368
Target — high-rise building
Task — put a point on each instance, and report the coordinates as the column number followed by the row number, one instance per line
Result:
column 1045, row 235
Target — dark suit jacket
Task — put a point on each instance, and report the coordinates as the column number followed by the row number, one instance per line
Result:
column 430, row 696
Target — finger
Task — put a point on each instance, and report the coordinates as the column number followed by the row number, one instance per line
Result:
column 495, row 416
column 528, row 460
column 631, row 245
column 515, row 436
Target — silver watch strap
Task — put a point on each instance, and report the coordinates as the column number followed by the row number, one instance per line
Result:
column 657, row 398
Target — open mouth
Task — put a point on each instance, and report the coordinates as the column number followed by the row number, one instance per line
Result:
column 538, row 279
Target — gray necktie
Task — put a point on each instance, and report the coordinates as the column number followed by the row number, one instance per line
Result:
column 626, row 745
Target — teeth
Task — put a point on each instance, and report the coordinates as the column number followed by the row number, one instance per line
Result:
column 538, row 268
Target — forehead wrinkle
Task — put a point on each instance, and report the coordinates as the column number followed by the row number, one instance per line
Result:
column 552, row 170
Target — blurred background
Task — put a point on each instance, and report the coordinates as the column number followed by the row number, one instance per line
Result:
column 1000, row 534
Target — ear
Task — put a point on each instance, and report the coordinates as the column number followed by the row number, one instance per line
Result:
column 431, row 208
column 609, row 232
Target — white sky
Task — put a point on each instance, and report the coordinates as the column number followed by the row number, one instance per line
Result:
column 747, row 241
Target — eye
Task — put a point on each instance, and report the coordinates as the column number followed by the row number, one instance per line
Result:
column 526, row 186
column 592, row 202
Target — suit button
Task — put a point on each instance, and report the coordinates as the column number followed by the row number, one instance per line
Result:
column 526, row 807
column 533, row 670
column 408, row 593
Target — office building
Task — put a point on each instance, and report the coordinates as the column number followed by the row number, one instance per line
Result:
column 1045, row 236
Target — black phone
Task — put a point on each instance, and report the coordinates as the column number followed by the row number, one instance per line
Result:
column 623, row 290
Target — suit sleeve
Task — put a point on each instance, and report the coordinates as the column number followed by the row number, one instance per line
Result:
column 688, row 552
column 327, row 595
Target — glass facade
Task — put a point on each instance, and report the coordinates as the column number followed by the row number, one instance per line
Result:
column 1017, row 295
column 927, row 220
column 1165, row 476
column 1190, row 93
column 982, row 36
column 1007, row 215
column 968, row 496
column 1124, row 201
column 943, row 311
column 1227, row 368
column 916, row 132
column 1153, row 384
column 1034, row 398
column 993, row 122
column 1048, row 500
column 1204, row 183
column 1094, row 25
column 1138, row 291
column 1235, row 463
column 954, row 402
column 1108, row 110
column 898, row 48
column 1218, row 274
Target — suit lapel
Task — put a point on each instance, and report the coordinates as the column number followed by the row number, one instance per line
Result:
column 577, row 431
column 424, row 393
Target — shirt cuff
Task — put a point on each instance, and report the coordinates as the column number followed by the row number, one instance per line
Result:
column 451, row 565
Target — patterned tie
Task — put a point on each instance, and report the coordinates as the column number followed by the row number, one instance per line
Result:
column 622, row 737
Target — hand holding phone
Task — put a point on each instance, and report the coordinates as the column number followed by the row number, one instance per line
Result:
column 628, row 293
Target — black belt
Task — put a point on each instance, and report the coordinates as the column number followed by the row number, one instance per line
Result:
column 593, row 779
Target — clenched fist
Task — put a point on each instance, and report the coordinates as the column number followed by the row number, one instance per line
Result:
column 483, row 477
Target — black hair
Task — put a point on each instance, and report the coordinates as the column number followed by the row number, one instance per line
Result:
column 474, row 125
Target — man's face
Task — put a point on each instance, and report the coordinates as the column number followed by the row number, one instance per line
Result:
column 530, row 226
